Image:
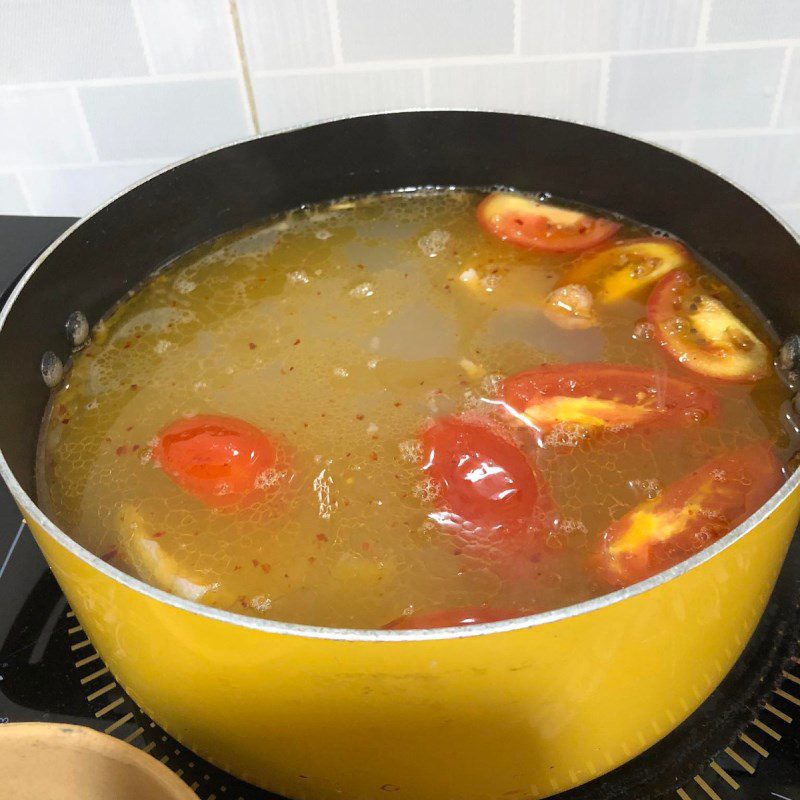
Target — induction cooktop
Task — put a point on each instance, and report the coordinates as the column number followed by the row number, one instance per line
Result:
column 743, row 742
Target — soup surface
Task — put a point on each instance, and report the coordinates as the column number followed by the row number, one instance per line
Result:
column 417, row 409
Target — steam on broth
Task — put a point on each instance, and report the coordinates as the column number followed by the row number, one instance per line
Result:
column 379, row 412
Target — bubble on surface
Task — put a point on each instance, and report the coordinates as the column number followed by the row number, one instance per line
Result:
column 565, row 435
column 52, row 369
column 269, row 478
column 260, row 603
column 411, row 451
column 433, row 244
column 323, row 488
column 77, row 329
column 427, row 490
column 490, row 384
column 646, row 488
column 298, row 276
column 184, row 286
column 643, row 331
column 365, row 289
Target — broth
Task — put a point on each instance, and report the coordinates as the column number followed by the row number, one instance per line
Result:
column 341, row 331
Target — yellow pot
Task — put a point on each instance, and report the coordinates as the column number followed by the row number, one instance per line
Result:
column 516, row 709
column 524, row 708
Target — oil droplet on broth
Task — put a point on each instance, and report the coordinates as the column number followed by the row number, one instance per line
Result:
column 343, row 329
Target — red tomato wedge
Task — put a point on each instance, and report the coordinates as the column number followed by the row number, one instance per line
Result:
column 451, row 618
column 538, row 226
column 625, row 269
column 488, row 495
column 592, row 397
column 222, row 461
column 702, row 334
column 690, row 514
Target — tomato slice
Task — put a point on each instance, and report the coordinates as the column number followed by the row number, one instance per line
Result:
column 702, row 334
column 451, row 618
column 626, row 268
column 592, row 397
column 488, row 495
column 539, row 226
column 690, row 514
column 222, row 461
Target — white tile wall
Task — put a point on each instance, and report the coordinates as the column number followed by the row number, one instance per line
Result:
column 56, row 40
column 42, row 126
column 550, row 27
column 96, row 93
column 748, row 20
column 566, row 89
column 285, row 34
column 767, row 164
column 671, row 91
column 791, row 216
column 187, row 36
column 789, row 113
column 286, row 100
column 168, row 119
column 377, row 31
column 12, row 198
column 55, row 191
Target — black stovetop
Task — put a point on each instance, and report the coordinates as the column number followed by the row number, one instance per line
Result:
column 744, row 742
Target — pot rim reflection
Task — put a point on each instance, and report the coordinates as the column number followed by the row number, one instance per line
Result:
column 31, row 510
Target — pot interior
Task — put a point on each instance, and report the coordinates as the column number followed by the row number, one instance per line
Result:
column 113, row 250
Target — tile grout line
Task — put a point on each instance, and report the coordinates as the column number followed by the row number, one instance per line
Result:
column 148, row 55
column 602, row 94
column 245, row 80
column 11, row 549
column 83, row 121
column 702, row 25
column 336, row 33
column 780, row 89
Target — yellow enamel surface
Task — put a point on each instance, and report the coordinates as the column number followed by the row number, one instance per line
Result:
column 524, row 713
column 587, row 411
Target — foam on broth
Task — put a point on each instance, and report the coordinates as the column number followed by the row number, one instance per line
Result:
column 343, row 329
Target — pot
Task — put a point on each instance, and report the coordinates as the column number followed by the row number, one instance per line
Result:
column 520, row 708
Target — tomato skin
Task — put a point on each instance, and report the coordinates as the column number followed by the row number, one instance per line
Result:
column 566, row 393
column 490, row 497
column 219, row 459
column 680, row 334
column 625, row 268
column 690, row 514
column 532, row 225
column 451, row 618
